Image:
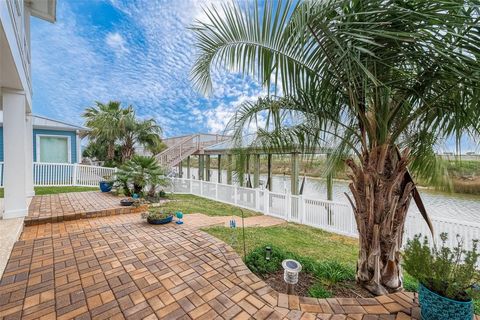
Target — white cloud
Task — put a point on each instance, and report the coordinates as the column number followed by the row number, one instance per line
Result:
column 115, row 41
column 144, row 60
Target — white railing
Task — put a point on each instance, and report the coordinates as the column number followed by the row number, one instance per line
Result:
column 66, row 174
column 336, row 217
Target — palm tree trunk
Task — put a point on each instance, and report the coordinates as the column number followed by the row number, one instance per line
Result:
column 381, row 199
column 127, row 150
column 111, row 152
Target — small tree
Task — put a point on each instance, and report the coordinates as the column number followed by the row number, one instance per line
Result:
column 385, row 81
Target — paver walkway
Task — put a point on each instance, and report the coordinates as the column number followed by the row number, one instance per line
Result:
column 195, row 220
column 121, row 267
column 74, row 205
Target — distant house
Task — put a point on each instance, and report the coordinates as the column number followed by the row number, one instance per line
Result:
column 53, row 141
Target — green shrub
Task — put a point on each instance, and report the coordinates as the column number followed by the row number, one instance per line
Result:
column 256, row 262
column 332, row 272
column 441, row 269
column 410, row 283
column 319, row 291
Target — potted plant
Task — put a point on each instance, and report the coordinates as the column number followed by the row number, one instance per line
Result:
column 447, row 277
column 155, row 216
column 106, row 184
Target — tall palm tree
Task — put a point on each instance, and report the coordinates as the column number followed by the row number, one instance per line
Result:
column 385, row 80
column 107, row 123
column 111, row 124
column 141, row 132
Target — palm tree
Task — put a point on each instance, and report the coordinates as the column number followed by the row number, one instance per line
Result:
column 140, row 172
column 107, row 123
column 384, row 80
column 113, row 125
column 141, row 132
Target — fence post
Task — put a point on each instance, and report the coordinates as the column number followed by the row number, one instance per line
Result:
column 301, row 209
column 266, row 199
column 74, row 175
column 235, row 192
column 288, row 198
column 190, row 187
column 257, row 199
column 216, row 191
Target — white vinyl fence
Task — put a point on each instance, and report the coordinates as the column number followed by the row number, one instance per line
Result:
column 331, row 216
column 66, row 174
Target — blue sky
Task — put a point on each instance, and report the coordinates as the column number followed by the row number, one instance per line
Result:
column 137, row 52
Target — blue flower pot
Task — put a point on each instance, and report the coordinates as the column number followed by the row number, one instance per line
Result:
column 105, row 186
column 435, row 306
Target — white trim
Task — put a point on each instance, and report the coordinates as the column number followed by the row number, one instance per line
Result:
column 37, row 142
column 79, row 146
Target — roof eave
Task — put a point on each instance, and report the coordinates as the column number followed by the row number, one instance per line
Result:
column 45, row 10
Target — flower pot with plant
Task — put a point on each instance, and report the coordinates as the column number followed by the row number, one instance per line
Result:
column 106, row 184
column 156, row 216
column 447, row 277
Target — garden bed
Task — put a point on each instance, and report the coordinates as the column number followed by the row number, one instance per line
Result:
column 308, row 285
column 323, row 279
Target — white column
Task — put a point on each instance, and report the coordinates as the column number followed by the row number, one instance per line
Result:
column 30, row 192
column 79, row 147
column 14, row 141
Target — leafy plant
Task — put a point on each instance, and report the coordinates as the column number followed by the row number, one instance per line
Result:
column 139, row 173
column 332, row 272
column 449, row 272
column 156, row 214
column 318, row 290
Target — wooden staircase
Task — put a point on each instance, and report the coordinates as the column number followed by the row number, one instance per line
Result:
column 179, row 148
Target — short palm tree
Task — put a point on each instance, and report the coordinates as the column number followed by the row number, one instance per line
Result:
column 140, row 172
column 382, row 81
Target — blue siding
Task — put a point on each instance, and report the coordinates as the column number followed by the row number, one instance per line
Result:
column 71, row 134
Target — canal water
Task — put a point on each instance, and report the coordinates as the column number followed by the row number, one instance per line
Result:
column 438, row 204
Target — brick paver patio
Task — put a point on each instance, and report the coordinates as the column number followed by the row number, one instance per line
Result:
column 121, row 267
column 75, row 205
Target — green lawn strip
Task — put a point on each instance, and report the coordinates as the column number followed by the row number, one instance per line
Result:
column 302, row 240
column 305, row 242
column 193, row 204
column 55, row 190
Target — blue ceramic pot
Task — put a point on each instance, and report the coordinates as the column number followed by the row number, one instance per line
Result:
column 160, row 221
column 105, row 186
column 435, row 306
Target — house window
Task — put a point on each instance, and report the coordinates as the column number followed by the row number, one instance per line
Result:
column 54, row 149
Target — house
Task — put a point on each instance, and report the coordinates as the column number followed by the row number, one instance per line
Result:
column 53, row 141
column 16, row 99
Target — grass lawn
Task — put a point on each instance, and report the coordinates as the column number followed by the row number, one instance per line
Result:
column 302, row 240
column 54, row 190
column 193, row 204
